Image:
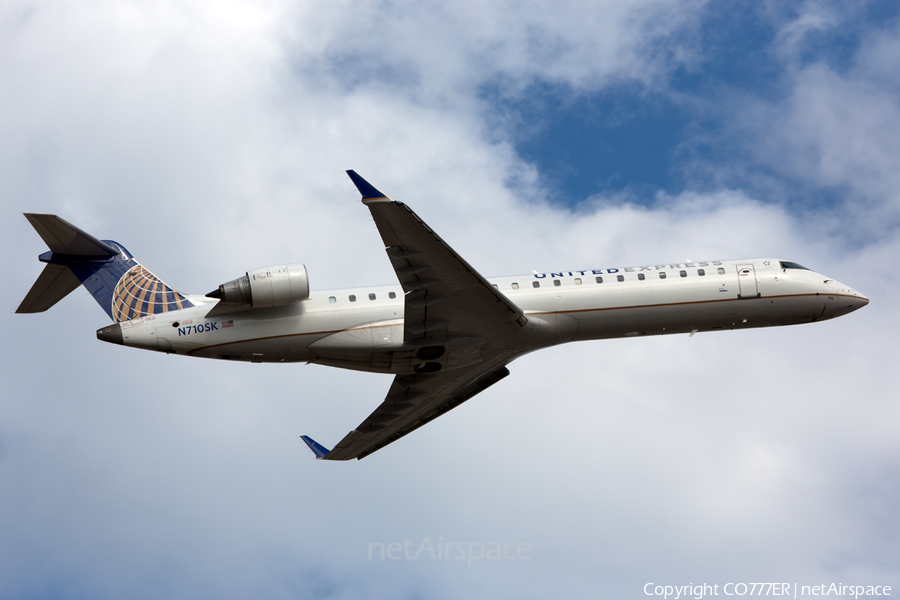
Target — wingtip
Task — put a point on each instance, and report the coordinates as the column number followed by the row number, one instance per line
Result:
column 368, row 191
column 318, row 449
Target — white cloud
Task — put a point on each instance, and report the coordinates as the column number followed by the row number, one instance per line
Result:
column 452, row 50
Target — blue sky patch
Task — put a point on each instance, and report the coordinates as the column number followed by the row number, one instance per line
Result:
column 599, row 143
column 626, row 138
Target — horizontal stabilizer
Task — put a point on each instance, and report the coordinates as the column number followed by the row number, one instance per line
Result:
column 68, row 245
column 64, row 238
column 120, row 285
column 54, row 283
column 318, row 449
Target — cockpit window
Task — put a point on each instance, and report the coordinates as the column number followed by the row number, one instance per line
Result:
column 792, row 265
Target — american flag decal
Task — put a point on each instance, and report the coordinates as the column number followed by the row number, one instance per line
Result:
column 227, row 323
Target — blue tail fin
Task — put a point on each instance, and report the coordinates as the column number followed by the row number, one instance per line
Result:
column 119, row 284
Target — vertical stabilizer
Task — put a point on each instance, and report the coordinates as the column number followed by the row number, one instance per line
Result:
column 119, row 284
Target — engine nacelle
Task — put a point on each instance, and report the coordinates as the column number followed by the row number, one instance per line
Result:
column 266, row 286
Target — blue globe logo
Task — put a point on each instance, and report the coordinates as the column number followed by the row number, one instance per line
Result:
column 140, row 293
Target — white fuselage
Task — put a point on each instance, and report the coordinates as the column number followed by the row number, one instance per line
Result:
column 362, row 328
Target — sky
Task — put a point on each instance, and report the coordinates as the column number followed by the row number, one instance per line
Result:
column 212, row 138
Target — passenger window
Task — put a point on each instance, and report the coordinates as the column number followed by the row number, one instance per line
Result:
column 641, row 276
column 332, row 299
column 515, row 286
column 620, row 278
column 371, row 296
column 701, row 272
column 682, row 273
column 721, row 271
column 578, row 281
column 392, row 295
column 352, row 298
column 536, row 283
column 599, row 280
column 662, row 274
column 557, row 282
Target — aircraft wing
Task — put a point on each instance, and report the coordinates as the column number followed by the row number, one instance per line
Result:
column 447, row 303
column 412, row 401
column 445, row 295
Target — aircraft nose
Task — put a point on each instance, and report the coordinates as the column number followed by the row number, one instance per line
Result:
column 855, row 300
column 858, row 298
column 840, row 298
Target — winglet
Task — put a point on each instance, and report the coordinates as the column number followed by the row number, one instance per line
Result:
column 318, row 449
column 368, row 191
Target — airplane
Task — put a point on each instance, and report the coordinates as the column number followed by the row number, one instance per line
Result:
column 445, row 332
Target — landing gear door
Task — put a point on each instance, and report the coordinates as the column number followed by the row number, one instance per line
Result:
column 747, row 281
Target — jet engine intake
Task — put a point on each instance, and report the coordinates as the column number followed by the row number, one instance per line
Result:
column 266, row 287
